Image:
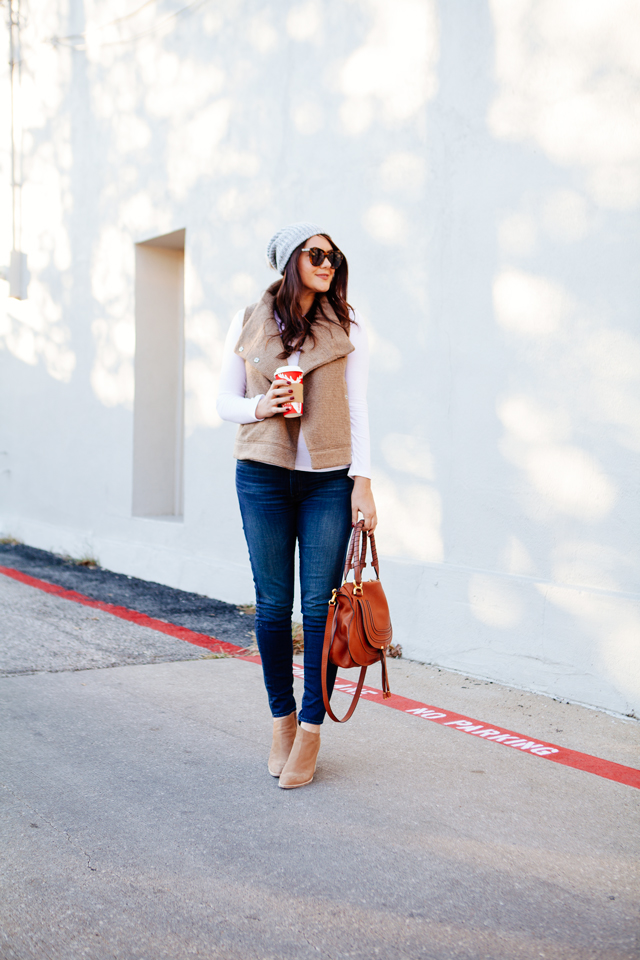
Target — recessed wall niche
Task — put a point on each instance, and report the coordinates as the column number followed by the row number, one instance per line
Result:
column 158, row 412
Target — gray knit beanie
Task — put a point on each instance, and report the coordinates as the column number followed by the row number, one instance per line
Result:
column 284, row 242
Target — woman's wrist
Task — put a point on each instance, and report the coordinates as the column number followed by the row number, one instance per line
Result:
column 362, row 502
column 256, row 412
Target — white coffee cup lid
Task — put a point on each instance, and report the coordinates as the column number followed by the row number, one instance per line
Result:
column 285, row 369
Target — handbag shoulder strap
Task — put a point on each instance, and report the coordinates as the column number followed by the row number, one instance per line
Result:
column 374, row 555
column 354, row 543
column 360, row 563
column 328, row 637
column 349, row 559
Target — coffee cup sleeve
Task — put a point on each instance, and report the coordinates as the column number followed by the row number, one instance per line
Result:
column 298, row 391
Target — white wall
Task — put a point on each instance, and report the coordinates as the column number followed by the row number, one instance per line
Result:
column 480, row 166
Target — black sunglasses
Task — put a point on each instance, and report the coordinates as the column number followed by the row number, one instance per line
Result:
column 317, row 256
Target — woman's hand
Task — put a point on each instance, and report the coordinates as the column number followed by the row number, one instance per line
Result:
column 362, row 502
column 278, row 393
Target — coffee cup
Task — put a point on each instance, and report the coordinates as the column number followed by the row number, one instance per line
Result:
column 292, row 375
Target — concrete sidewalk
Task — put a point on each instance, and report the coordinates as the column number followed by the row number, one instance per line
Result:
column 139, row 820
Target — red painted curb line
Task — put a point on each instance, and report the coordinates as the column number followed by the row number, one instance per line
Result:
column 182, row 633
column 508, row 738
column 456, row 721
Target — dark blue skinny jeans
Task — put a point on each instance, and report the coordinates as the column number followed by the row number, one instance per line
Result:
column 279, row 507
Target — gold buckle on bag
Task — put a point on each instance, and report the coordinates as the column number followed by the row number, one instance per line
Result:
column 334, row 594
column 357, row 589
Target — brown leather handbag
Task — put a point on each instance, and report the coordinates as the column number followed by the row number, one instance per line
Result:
column 358, row 629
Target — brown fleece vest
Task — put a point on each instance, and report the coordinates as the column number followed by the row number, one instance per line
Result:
column 326, row 420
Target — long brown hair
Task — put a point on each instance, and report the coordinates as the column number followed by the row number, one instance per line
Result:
column 287, row 303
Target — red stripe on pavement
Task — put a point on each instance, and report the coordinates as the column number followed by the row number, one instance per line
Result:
column 508, row 738
column 455, row 721
column 181, row 633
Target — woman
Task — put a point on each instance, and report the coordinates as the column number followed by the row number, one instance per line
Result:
column 304, row 479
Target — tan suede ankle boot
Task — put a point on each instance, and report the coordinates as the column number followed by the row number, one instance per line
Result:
column 301, row 765
column 284, row 733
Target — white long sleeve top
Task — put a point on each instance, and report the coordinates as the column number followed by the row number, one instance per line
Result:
column 232, row 404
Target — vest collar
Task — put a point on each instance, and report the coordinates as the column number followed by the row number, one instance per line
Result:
column 260, row 341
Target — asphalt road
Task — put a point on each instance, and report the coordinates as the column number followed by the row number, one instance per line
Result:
column 200, row 614
column 139, row 822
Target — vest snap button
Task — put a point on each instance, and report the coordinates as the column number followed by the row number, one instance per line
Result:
column 240, row 349
column 256, row 359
